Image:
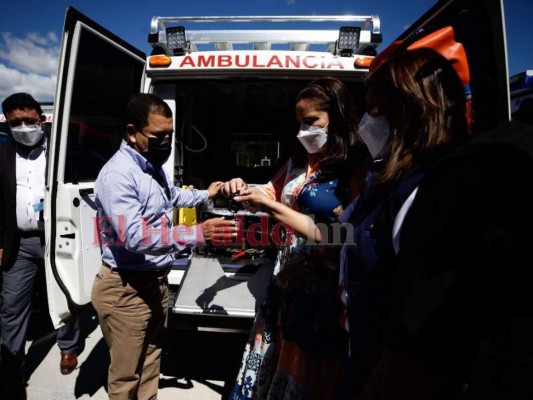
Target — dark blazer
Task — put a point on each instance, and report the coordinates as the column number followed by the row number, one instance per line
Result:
column 9, row 238
column 462, row 299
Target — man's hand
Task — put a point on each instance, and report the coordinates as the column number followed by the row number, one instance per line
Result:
column 214, row 188
column 219, row 231
column 1, row 255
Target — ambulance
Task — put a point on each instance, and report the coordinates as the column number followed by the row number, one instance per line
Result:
column 521, row 87
column 231, row 82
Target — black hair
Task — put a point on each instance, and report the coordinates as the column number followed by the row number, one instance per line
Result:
column 140, row 105
column 20, row 101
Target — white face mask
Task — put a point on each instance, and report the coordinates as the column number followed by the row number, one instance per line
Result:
column 312, row 137
column 374, row 131
column 28, row 135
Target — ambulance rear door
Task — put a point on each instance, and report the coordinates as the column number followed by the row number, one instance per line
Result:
column 98, row 72
column 479, row 26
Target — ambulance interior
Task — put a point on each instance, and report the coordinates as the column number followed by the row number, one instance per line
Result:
column 238, row 127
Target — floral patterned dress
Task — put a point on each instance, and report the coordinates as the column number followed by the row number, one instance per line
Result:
column 296, row 345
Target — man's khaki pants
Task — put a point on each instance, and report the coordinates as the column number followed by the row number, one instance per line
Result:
column 132, row 309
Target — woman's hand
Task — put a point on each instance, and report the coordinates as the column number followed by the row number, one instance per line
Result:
column 234, row 187
column 253, row 200
column 338, row 210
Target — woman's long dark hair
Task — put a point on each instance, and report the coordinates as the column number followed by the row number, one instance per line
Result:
column 335, row 98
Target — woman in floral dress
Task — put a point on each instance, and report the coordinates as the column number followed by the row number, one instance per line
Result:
column 296, row 346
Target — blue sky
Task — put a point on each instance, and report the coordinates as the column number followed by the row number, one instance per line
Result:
column 30, row 32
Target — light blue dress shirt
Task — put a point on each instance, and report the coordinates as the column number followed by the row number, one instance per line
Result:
column 134, row 216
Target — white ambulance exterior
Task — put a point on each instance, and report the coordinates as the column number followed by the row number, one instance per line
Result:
column 232, row 93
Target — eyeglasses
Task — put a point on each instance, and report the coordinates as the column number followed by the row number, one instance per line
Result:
column 152, row 136
column 27, row 121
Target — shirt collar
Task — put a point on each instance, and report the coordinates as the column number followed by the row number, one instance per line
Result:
column 34, row 152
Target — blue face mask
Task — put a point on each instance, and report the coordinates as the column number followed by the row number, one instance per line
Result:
column 374, row 131
column 312, row 137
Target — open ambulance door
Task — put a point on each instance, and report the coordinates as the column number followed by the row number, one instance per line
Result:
column 478, row 27
column 98, row 72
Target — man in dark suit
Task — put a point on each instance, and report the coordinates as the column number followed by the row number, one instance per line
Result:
column 23, row 164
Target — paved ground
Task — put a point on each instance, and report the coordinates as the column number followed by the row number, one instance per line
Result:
column 196, row 365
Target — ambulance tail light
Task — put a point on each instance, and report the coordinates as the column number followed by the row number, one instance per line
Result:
column 159, row 61
column 363, row 61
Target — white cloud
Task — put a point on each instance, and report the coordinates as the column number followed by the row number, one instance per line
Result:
column 41, row 87
column 48, row 40
column 290, row 2
column 29, row 65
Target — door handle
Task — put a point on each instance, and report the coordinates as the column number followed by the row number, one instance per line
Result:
column 86, row 192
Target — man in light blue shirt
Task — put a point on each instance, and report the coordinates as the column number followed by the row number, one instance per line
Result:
column 135, row 200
